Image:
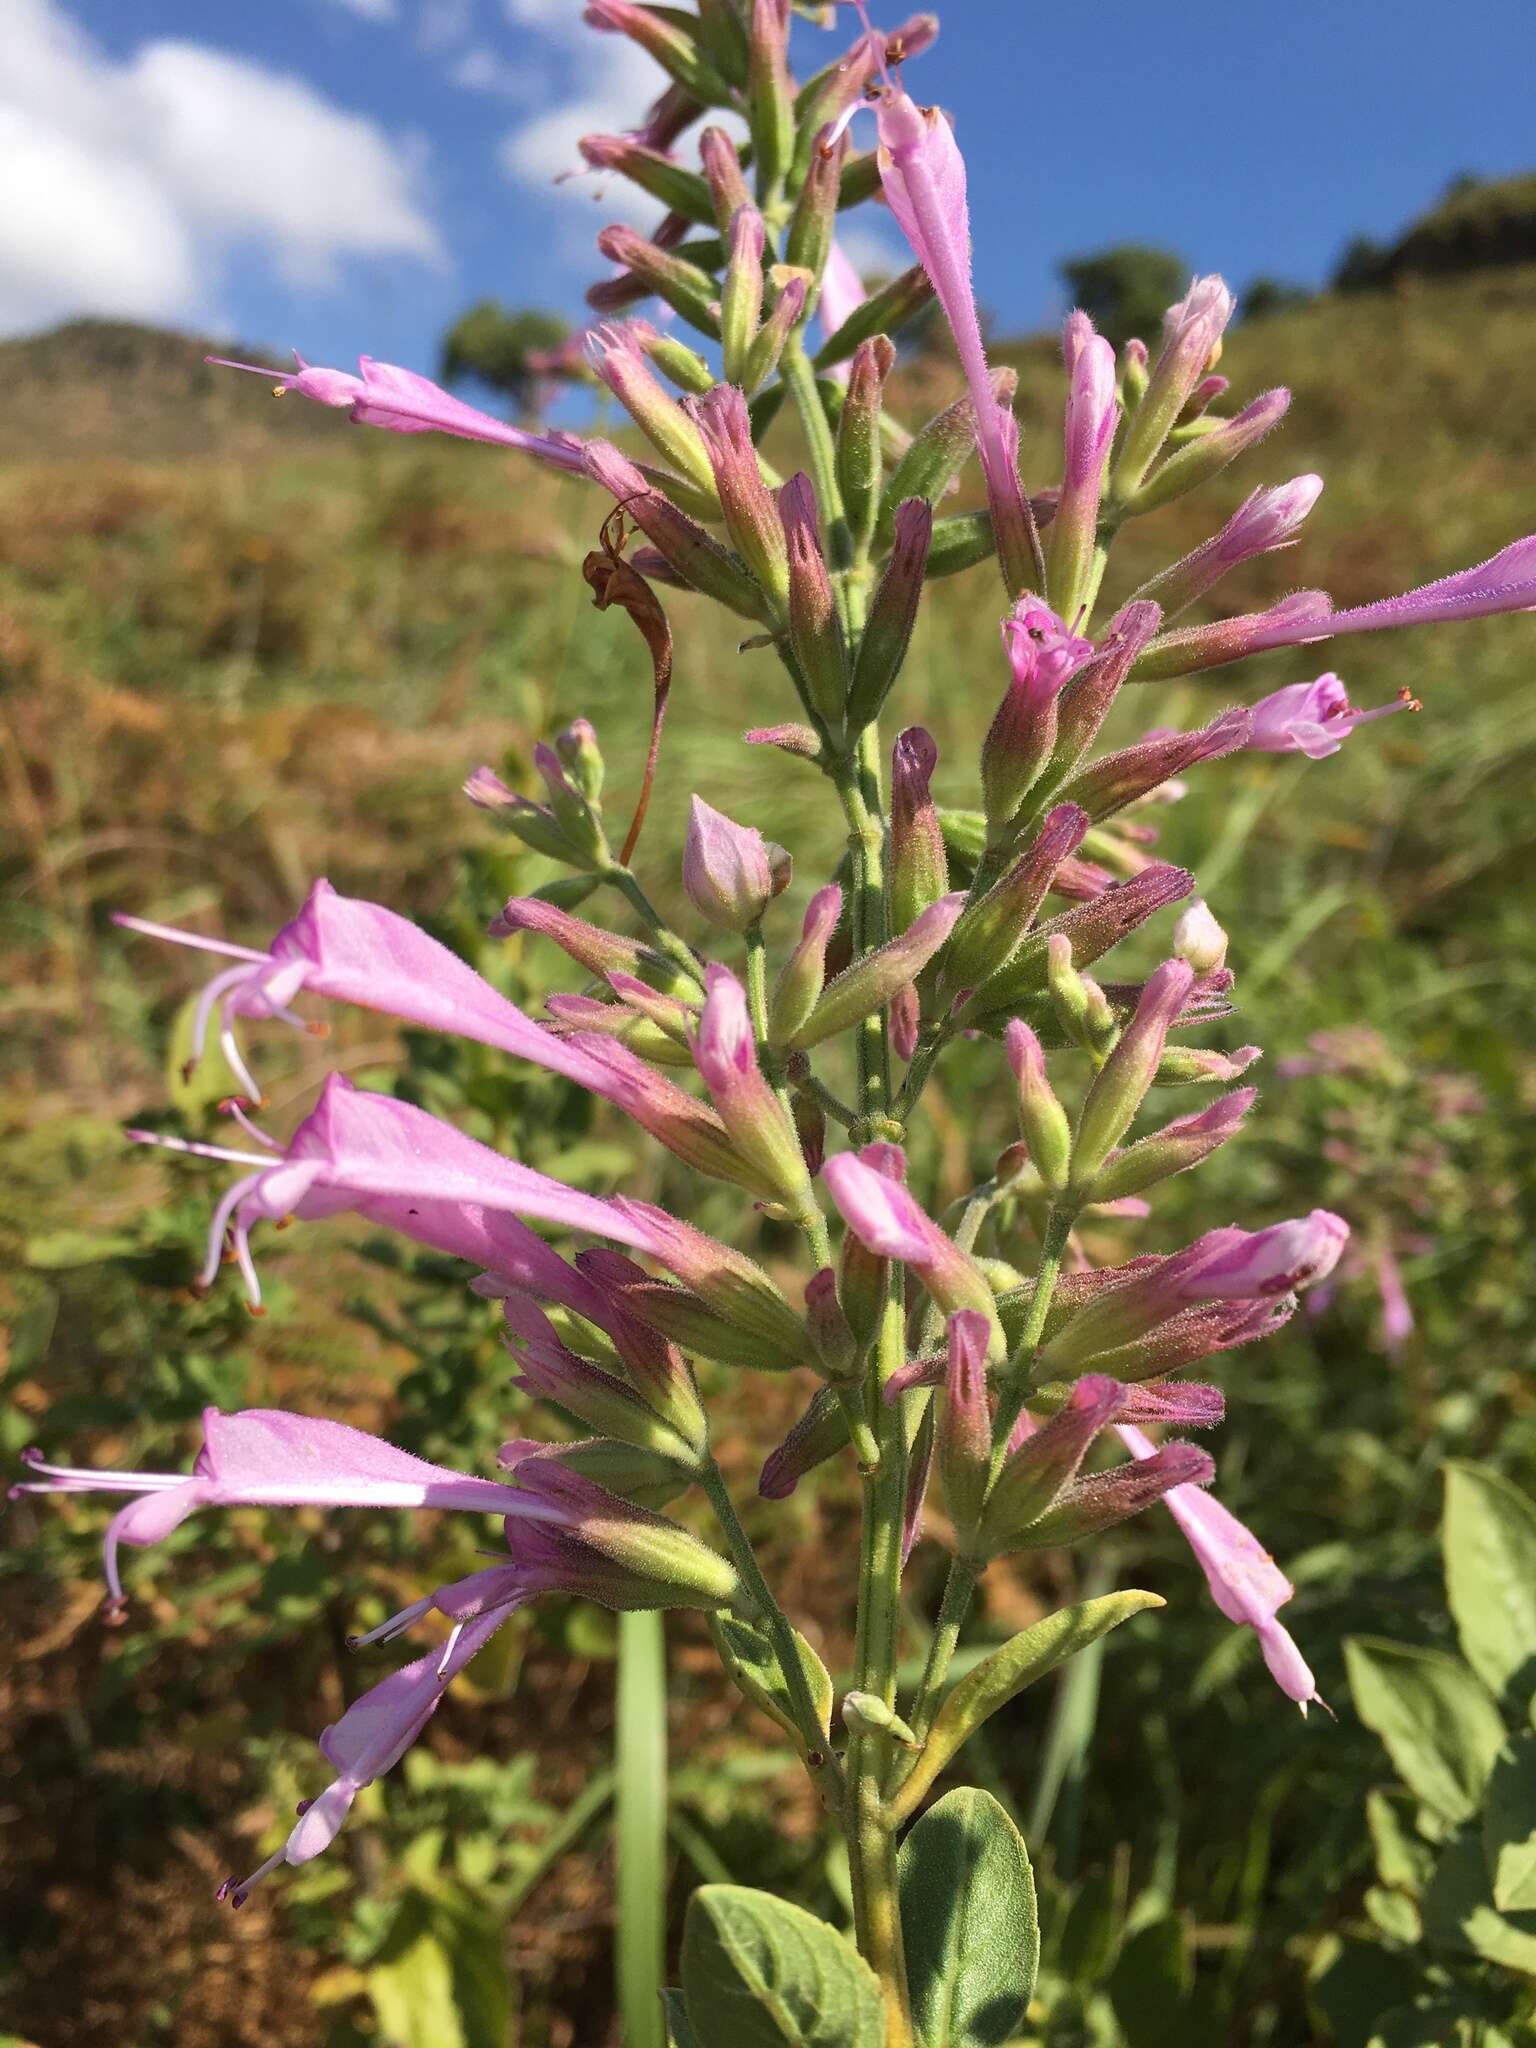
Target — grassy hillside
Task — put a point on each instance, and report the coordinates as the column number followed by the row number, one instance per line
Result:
column 242, row 643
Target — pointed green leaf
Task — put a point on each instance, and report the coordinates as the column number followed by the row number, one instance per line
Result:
column 674, row 2010
column 1459, row 1911
column 1441, row 1729
column 1149, row 1986
column 969, row 1923
column 1395, row 1914
column 1004, row 1675
column 1490, row 1575
column 759, row 1973
column 1509, row 1827
column 750, row 1658
column 1403, row 1861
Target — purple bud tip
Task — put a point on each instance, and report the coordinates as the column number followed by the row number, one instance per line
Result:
column 32, row 1455
column 303, row 1807
column 225, row 1889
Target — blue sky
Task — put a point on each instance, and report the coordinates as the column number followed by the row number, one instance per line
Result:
column 346, row 175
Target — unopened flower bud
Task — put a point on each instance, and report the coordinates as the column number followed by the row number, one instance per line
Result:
column 1199, row 939
column 790, row 288
column 1043, row 656
column 859, row 460
column 815, row 631
column 1176, row 1147
column 679, row 189
column 870, row 983
column 1122, row 1082
column 611, row 1405
column 810, row 228
column 1263, row 522
column 938, row 452
column 727, row 870
column 1043, row 1465
column 865, row 1713
column 632, row 1558
column 599, row 951
column 1133, row 373
column 889, row 1222
column 582, row 757
column 741, row 293
column 804, row 973
column 574, row 815
column 963, row 1431
column 687, row 289
column 726, row 1053
column 751, row 516
column 644, row 1477
column 919, row 863
column 1191, row 331
column 820, row 1433
column 674, row 49
column 862, row 1267
column 1191, row 1066
column 1046, row 1126
column 1099, row 1502
column 1114, row 780
column 1200, row 460
column 885, row 311
column 770, row 102
column 837, row 1349
column 995, row 927
column 892, row 614
column 1092, row 411
column 534, row 824
column 729, row 191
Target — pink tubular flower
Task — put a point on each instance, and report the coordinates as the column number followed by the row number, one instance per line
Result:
column 1314, row 719
column 922, row 174
column 351, row 951
column 889, row 1222
column 387, row 396
column 1245, row 1582
column 1266, row 520
column 394, row 1164
column 266, row 1457
column 369, row 1739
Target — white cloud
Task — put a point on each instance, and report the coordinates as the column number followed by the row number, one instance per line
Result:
column 590, row 83
column 128, row 186
column 481, row 69
column 371, row 10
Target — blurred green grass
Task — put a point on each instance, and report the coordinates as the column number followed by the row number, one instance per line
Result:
column 223, row 674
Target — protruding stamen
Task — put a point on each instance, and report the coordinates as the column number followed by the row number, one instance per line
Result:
column 195, row 940
column 231, row 1106
column 396, row 1625
column 196, row 1147
column 237, row 1894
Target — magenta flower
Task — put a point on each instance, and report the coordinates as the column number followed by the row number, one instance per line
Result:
column 266, row 1457
column 351, row 951
column 369, row 1739
column 922, row 174
column 1314, row 719
column 888, row 1221
column 384, row 395
column 394, row 1164
column 1245, row 1582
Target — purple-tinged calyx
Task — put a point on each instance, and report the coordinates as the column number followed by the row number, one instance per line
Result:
column 1093, row 410
column 383, row 395
column 1245, row 1582
column 618, row 355
column 751, row 514
column 871, row 982
column 1213, row 444
column 919, row 864
column 1186, row 1142
column 1043, row 655
column 963, row 1431
column 1120, row 1086
column 1116, row 780
column 1192, row 332
column 804, row 973
column 725, row 1051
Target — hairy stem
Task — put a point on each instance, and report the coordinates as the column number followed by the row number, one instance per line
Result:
column 676, row 948
column 1010, row 1400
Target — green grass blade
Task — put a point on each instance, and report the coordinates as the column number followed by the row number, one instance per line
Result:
column 640, row 1823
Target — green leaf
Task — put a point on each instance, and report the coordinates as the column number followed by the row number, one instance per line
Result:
column 1459, row 1911
column 1354, row 1983
column 969, row 1922
column 1004, row 1675
column 1087, row 1946
column 1441, row 1729
column 1509, row 1827
column 1395, row 1914
column 750, row 1658
column 411, row 1984
column 760, row 1973
column 1403, row 1861
column 1490, row 1575
column 1150, row 1984
column 674, row 2010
